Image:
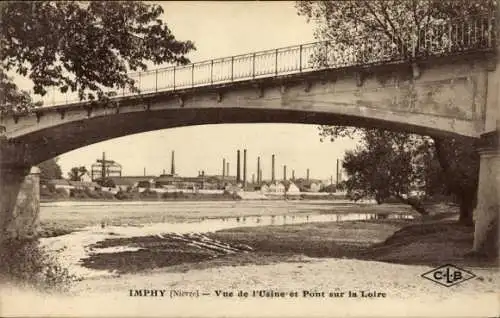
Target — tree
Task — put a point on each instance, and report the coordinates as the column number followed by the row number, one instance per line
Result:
column 360, row 28
column 76, row 173
column 14, row 99
column 83, row 46
column 49, row 170
column 106, row 182
column 388, row 165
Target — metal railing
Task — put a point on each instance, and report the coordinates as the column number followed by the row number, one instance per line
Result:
column 450, row 37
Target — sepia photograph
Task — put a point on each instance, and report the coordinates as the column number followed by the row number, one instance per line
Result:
column 250, row 158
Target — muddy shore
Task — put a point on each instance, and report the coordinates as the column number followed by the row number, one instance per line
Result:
column 393, row 241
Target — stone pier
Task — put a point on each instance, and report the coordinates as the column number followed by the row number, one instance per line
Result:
column 20, row 204
column 486, row 214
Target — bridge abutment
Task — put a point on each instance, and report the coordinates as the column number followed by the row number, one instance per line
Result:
column 486, row 214
column 19, row 202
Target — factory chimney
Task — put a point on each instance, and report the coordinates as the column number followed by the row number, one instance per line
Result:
column 172, row 167
column 307, row 178
column 244, row 168
column 238, row 177
column 272, row 168
column 259, row 180
column 253, row 178
column 227, row 169
column 293, row 175
column 284, row 173
column 337, row 177
column 103, row 167
column 223, row 168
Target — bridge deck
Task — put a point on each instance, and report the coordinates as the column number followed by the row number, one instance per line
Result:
column 444, row 38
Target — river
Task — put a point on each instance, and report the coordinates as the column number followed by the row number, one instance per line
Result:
column 99, row 221
column 406, row 291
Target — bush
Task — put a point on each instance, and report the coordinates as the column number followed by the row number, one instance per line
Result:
column 106, row 195
column 78, row 194
column 90, row 194
column 61, row 193
column 26, row 263
column 148, row 194
column 174, row 195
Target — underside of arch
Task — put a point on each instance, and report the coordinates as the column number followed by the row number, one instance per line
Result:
column 48, row 143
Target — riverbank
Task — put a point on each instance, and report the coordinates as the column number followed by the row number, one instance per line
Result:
column 64, row 217
column 310, row 259
column 394, row 241
column 235, row 248
column 151, row 196
column 400, row 288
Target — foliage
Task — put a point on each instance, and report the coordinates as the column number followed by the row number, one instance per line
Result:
column 387, row 164
column 446, row 164
column 51, row 193
column 29, row 264
column 361, row 28
column 14, row 99
column 148, row 194
column 76, row 173
column 87, row 193
column 106, row 182
column 459, row 160
column 83, row 47
column 49, row 170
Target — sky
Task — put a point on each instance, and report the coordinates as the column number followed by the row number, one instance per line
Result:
column 221, row 29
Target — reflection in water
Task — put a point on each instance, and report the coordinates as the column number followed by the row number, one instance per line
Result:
column 293, row 219
column 75, row 244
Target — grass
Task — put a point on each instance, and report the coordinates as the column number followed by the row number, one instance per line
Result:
column 328, row 239
column 26, row 263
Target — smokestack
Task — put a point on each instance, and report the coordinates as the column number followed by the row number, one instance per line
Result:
column 337, row 180
column 253, row 178
column 238, row 177
column 144, row 171
column 307, row 178
column 284, row 173
column 163, row 171
column 227, row 169
column 223, row 168
column 293, row 174
column 244, row 167
column 272, row 168
column 259, row 177
column 103, row 167
column 172, row 167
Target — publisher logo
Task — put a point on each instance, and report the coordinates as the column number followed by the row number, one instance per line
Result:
column 448, row 275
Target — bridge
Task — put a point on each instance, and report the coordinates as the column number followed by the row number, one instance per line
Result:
column 443, row 82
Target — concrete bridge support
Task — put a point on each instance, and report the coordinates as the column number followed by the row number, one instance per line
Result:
column 19, row 202
column 486, row 236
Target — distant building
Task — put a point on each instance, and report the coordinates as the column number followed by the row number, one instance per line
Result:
column 68, row 185
column 131, row 182
column 82, row 185
column 264, row 188
column 292, row 189
column 277, row 187
column 204, row 182
column 309, row 185
column 61, row 184
column 104, row 168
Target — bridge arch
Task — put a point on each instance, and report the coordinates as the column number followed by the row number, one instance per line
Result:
column 50, row 142
column 448, row 98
